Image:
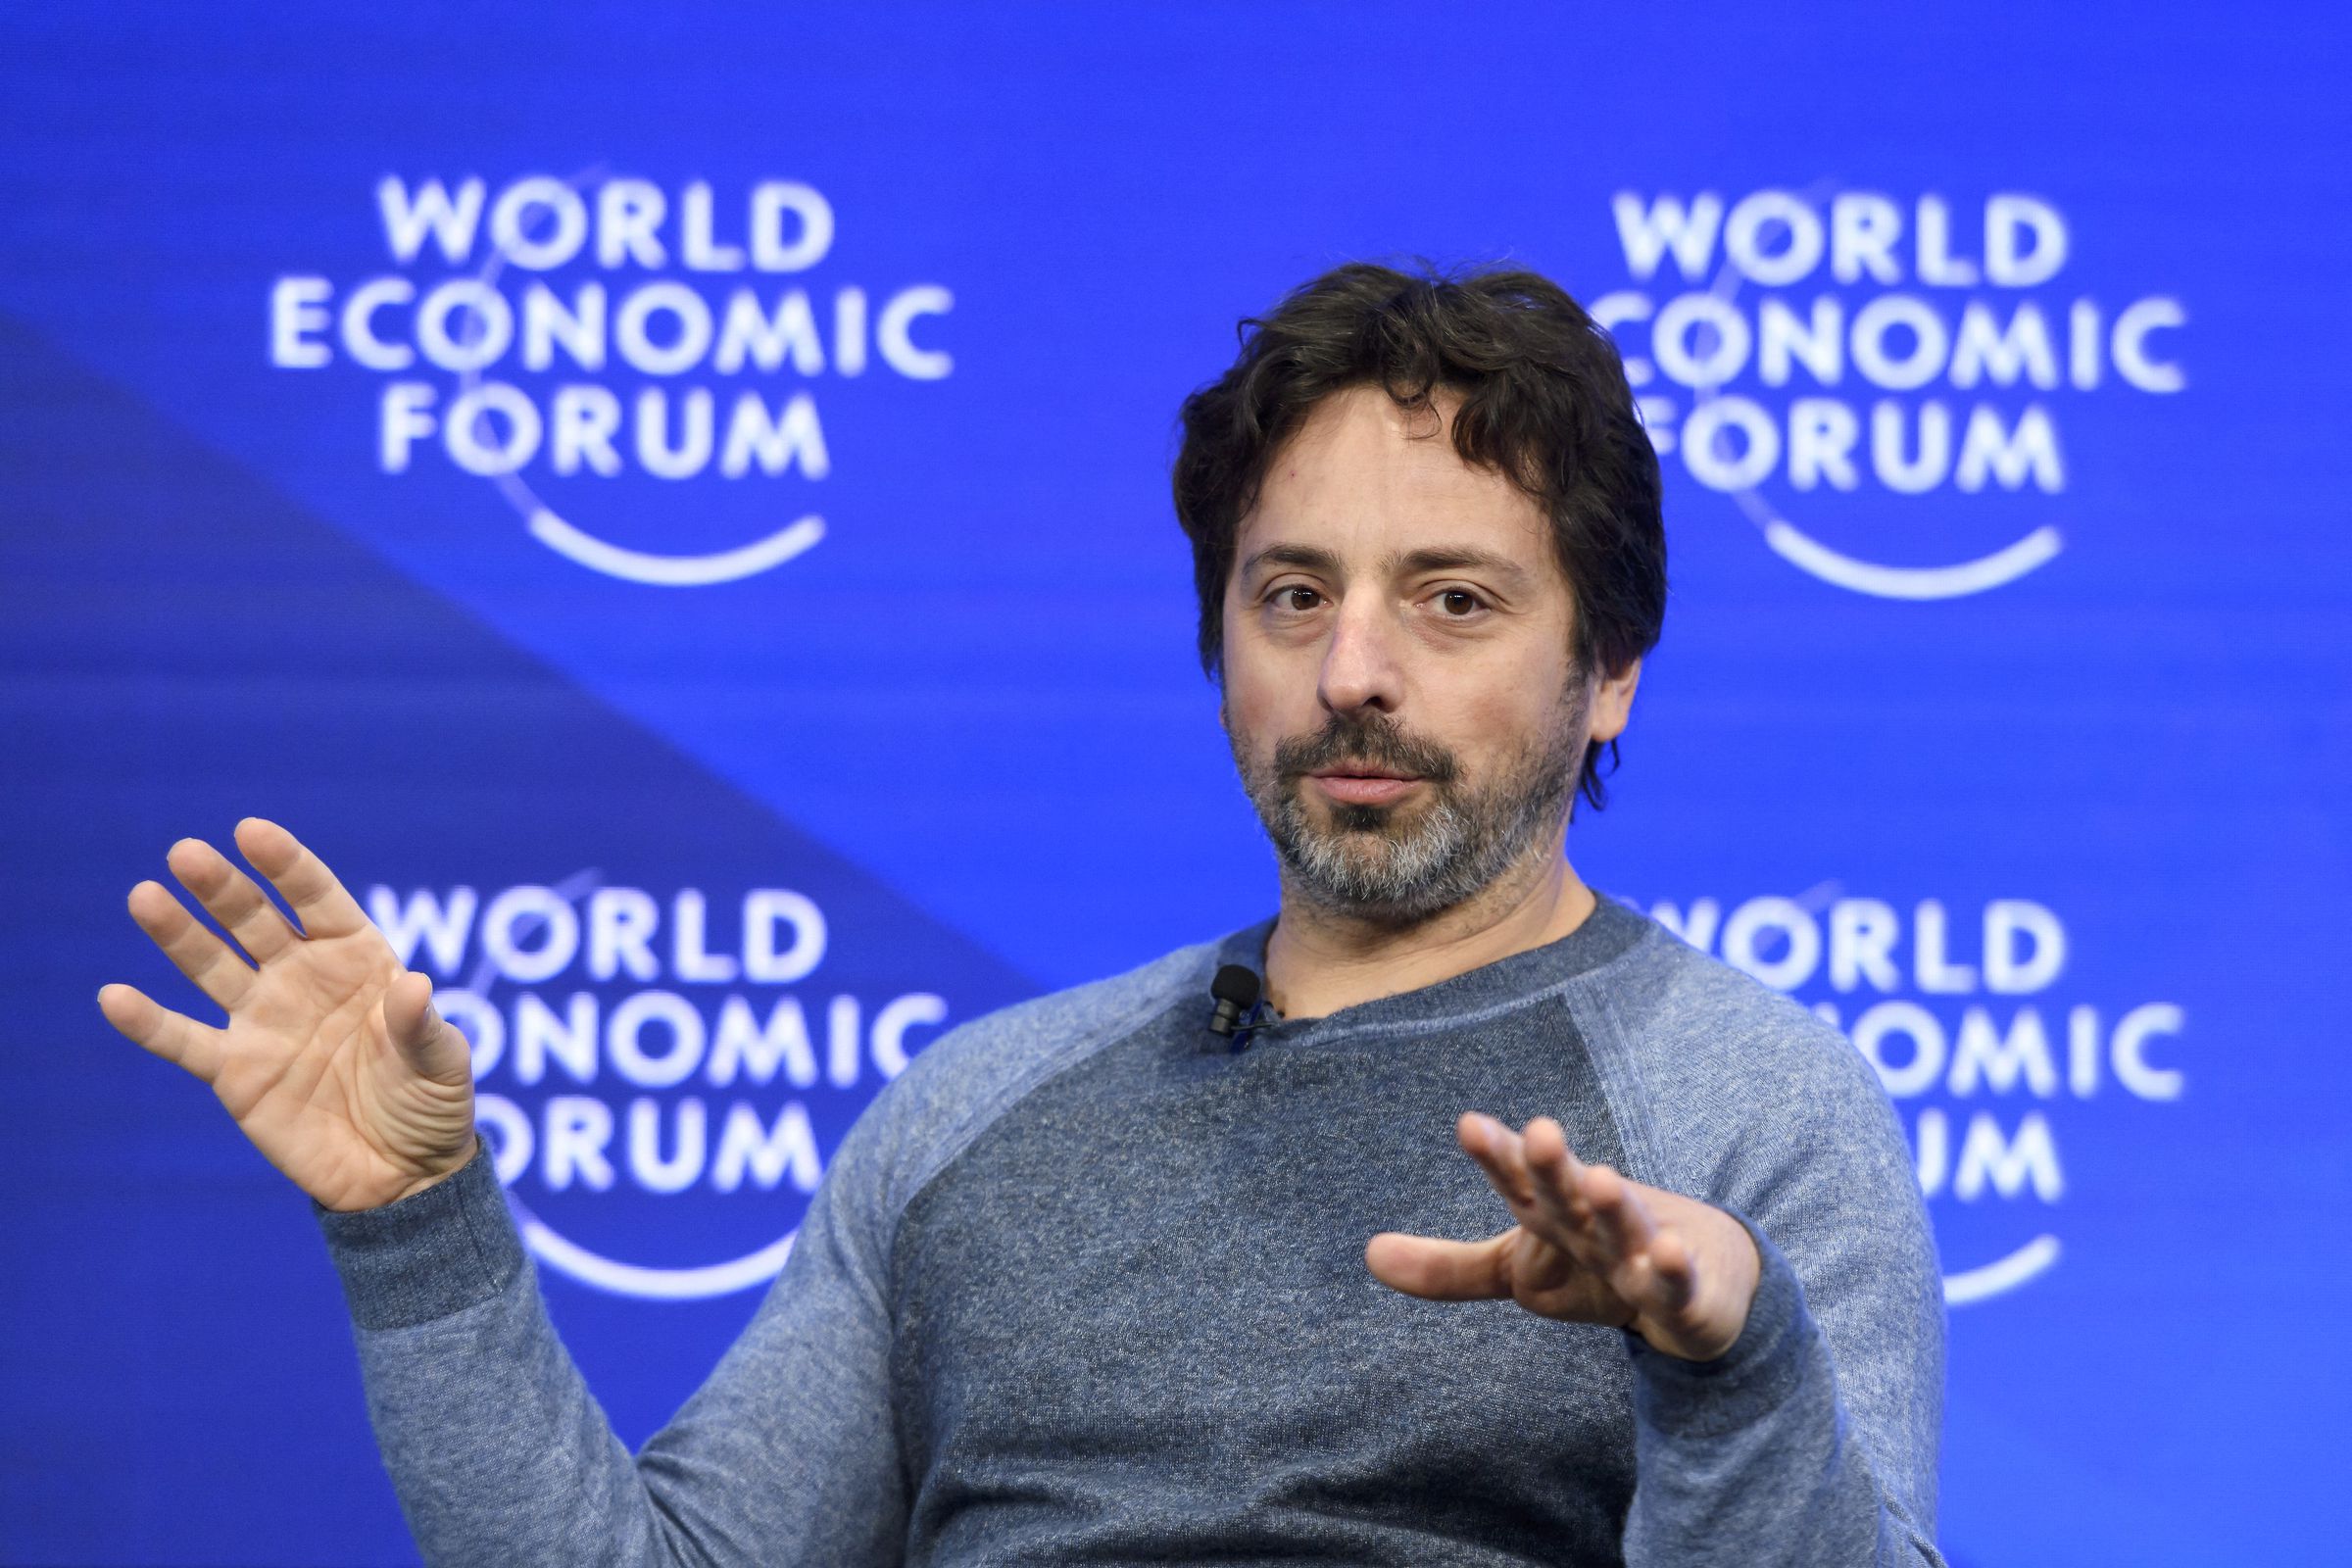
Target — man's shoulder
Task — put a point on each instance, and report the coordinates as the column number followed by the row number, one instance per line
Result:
column 1677, row 1000
column 1736, row 1078
column 1070, row 1021
column 976, row 1071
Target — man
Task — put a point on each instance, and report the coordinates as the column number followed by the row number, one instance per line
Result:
column 1096, row 1282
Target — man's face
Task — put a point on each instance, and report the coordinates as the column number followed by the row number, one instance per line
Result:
column 1399, row 683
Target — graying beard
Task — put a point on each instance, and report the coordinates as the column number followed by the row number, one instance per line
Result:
column 1444, row 859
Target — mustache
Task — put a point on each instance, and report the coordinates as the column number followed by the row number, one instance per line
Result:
column 1372, row 739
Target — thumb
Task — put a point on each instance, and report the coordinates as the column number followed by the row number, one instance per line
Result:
column 1441, row 1270
column 427, row 1042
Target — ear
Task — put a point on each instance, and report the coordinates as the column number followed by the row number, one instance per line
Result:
column 1613, row 704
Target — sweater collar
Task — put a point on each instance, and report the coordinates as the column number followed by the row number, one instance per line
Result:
column 1611, row 929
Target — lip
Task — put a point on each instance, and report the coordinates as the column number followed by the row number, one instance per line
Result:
column 1369, row 788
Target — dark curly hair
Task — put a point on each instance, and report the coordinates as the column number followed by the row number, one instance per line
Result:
column 1543, row 402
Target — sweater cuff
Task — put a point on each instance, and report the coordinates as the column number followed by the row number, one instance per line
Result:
column 1708, row 1399
column 431, row 1254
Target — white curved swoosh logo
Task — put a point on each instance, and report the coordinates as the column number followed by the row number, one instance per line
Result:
column 2003, row 566
column 2004, row 1275
column 651, row 1284
column 676, row 571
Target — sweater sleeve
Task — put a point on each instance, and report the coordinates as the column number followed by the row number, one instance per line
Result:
column 1813, row 1440
column 501, row 1456
column 1752, row 1458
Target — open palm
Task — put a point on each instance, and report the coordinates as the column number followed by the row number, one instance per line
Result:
column 332, row 1060
column 1589, row 1246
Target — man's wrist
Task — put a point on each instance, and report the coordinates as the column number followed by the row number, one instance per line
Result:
column 473, row 1144
column 1752, row 1375
column 1731, row 1265
column 442, row 1248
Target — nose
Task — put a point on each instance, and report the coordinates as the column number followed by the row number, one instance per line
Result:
column 1360, row 668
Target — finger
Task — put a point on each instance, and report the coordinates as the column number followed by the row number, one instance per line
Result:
column 429, row 1043
column 1440, row 1270
column 1557, row 1175
column 1605, row 1223
column 174, row 1037
column 319, row 901
column 219, row 972
column 1659, row 1287
column 231, row 897
column 1618, row 1213
column 1495, row 1148
column 1674, row 1269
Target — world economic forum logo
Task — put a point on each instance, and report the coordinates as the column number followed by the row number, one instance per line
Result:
column 1878, row 385
column 588, row 345
column 1985, row 1042
column 661, row 1076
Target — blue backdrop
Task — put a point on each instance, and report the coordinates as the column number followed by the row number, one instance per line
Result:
column 671, row 504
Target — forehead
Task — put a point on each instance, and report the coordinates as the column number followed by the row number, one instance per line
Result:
column 1362, row 474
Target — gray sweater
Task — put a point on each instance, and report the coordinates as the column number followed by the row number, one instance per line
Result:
column 1083, row 1286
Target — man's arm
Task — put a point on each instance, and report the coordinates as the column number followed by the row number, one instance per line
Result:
column 1819, row 1429
column 1761, row 1439
column 1754, row 1456
column 333, row 1061
column 502, row 1457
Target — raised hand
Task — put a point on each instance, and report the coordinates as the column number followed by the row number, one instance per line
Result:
column 1589, row 1246
column 333, row 1061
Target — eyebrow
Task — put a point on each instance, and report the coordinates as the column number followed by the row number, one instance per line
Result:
column 1434, row 557
column 1456, row 558
column 1307, row 557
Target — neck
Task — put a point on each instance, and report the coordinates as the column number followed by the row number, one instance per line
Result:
column 1320, row 960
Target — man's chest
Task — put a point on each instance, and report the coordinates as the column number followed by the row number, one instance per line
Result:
column 1144, row 1288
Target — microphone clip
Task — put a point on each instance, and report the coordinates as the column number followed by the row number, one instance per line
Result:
column 1237, row 992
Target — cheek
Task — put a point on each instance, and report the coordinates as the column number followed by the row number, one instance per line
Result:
column 1251, row 729
column 1492, row 724
column 1265, row 695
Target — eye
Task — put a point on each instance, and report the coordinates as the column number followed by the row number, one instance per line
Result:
column 1459, row 603
column 1297, row 597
